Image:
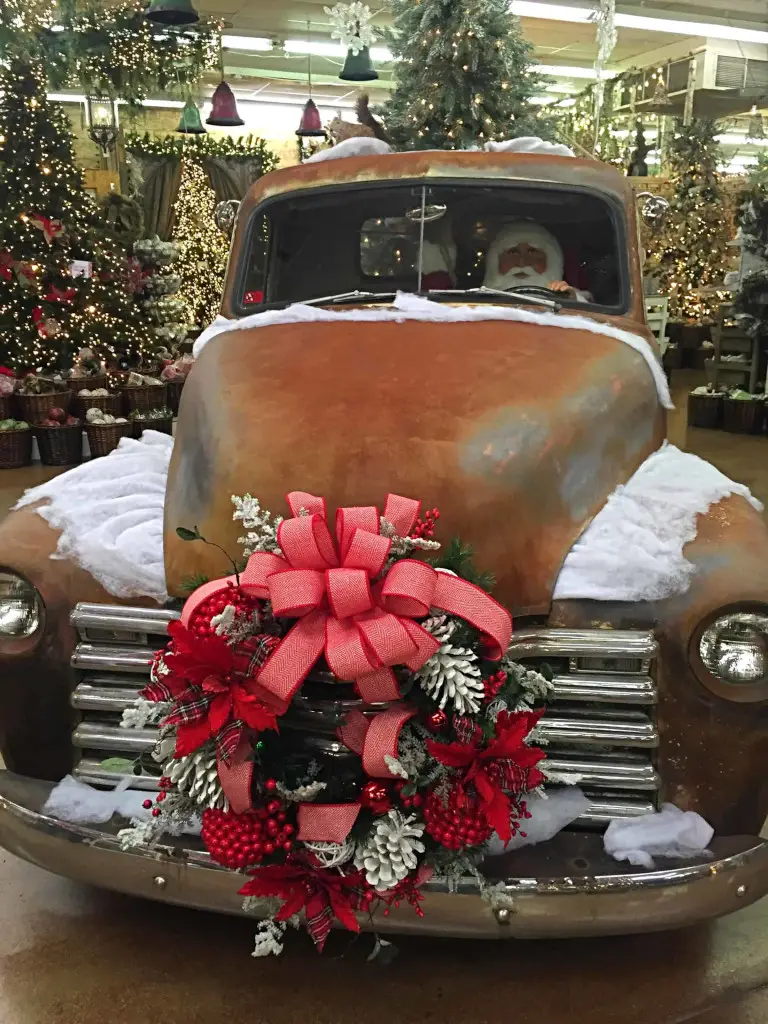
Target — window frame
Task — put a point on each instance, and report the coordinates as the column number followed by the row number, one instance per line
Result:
column 614, row 205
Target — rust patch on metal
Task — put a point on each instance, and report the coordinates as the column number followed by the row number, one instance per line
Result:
column 512, row 429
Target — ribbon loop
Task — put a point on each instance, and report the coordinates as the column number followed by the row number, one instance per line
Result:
column 349, row 592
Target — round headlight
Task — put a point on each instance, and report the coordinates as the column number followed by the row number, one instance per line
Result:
column 733, row 650
column 21, row 607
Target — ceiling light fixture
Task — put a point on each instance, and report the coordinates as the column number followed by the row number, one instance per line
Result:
column 250, row 44
column 319, row 49
column 563, row 71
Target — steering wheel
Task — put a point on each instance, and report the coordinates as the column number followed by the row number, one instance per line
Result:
column 537, row 289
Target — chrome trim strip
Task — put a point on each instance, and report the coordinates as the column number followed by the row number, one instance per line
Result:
column 95, row 736
column 605, row 688
column 95, row 657
column 603, row 809
column 102, row 698
column 107, row 615
column 89, row 770
column 606, row 772
column 606, row 643
column 598, row 728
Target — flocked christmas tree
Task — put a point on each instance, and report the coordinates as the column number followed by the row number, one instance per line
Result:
column 63, row 281
column 463, row 75
column 690, row 254
column 203, row 248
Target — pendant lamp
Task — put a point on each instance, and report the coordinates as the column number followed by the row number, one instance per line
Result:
column 224, row 113
column 310, row 124
column 172, row 12
column 190, row 122
column 358, row 67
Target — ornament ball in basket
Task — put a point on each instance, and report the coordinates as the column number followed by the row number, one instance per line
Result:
column 705, row 409
column 143, row 394
column 743, row 413
column 86, row 399
column 15, row 444
column 59, row 439
column 7, row 389
column 103, row 438
column 37, row 396
column 154, row 419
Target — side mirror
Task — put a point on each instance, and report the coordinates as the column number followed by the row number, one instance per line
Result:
column 225, row 215
column 653, row 210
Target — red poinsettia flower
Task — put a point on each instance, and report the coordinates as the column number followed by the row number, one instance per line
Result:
column 506, row 765
column 6, row 265
column 55, row 294
column 6, row 372
column 322, row 893
column 212, row 688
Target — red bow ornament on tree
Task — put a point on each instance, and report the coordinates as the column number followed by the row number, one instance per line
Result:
column 50, row 227
column 506, row 765
column 6, row 265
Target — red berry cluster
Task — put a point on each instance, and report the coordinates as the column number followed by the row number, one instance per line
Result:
column 457, row 824
column 494, row 683
column 240, row 840
column 165, row 784
column 426, row 527
column 415, row 800
column 375, row 796
column 406, row 891
column 244, row 604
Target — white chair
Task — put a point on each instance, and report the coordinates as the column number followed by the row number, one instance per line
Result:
column 656, row 316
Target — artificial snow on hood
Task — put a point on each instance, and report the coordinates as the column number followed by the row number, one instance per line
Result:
column 528, row 144
column 358, row 146
column 406, row 306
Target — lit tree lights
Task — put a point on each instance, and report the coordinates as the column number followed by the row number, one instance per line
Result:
column 463, row 75
column 203, row 249
column 61, row 288
column 690, row 255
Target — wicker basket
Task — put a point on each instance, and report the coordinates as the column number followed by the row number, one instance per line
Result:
column 105, row 437
column 5, row 406
column 144, row 397
column 743, row 416
column 60, row 446
column 162, row 426
column 15, row 448
column 705, row 411
column 112, row 404
column 174, row 388
column 34, row 408
column 98, row 380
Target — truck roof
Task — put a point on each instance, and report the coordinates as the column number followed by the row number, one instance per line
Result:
column 451, row 164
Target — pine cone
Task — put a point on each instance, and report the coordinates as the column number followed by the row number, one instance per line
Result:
column 197, row 776
column 452, row 676
column 389, row 853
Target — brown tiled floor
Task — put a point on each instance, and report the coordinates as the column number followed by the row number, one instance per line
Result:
column 71, row 955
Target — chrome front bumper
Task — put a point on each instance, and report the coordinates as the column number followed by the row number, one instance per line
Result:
column 564, row 888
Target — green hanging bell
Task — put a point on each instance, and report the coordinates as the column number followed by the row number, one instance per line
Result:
column 172, row 12
column 190, row 123
column 358, row 67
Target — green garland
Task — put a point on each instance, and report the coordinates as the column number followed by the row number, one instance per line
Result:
column 109, row 50
column 248, row 147
column 753, row 215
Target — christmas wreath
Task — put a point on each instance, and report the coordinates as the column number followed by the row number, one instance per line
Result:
column 356, row 646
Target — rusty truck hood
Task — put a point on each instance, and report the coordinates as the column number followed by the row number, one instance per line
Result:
column 517, row 432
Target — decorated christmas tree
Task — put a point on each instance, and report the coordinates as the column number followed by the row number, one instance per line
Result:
column 688, row 260
column 203, row 248
column 63, row 279
column 463, row 75
column 752, row 296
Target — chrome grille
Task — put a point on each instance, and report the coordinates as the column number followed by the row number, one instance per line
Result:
column 600, row 728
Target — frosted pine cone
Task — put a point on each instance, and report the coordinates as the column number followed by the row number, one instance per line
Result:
column 452, row 677
column 197, row 776
column 390, row 851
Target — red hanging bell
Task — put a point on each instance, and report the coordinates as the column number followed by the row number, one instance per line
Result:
column 224, row 112
column 310, row 121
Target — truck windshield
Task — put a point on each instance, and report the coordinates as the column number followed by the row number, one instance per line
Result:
column 497, row 242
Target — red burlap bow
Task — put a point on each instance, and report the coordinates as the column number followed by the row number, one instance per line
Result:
column 363, row 628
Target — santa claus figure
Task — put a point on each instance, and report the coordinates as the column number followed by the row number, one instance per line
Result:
column 524, row 253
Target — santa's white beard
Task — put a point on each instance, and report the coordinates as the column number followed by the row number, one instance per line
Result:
column 518, row 277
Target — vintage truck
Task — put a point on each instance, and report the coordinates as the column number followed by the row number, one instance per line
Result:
column 519, row 413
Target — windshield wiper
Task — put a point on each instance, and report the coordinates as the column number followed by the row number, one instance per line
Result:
column 536, row 300
column 347, row 297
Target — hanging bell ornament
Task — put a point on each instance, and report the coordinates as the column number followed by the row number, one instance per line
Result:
column 225, row 214
column 172, row 12
column 190, row 123
column 224, row 113
column 358, row 67
column 310, row 121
